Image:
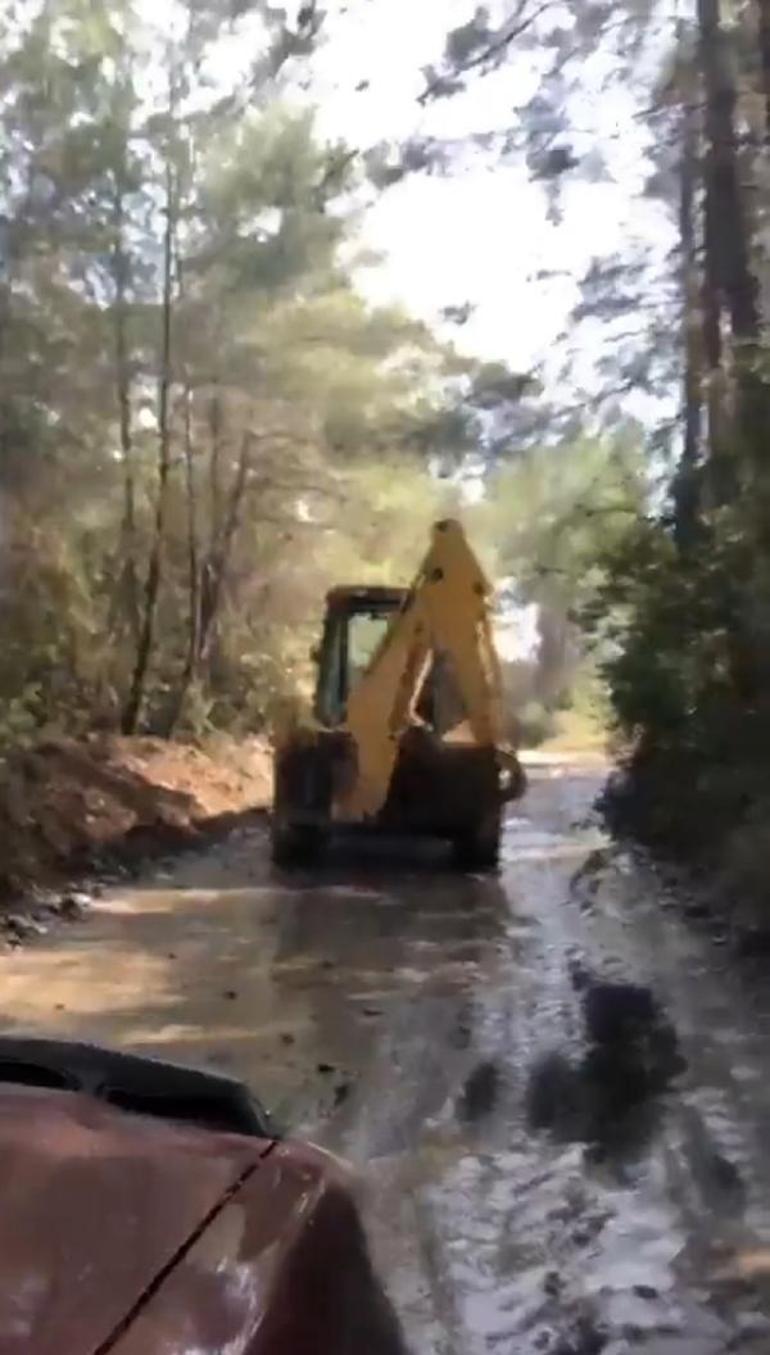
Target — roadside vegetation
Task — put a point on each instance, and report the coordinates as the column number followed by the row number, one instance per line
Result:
column 679, row 610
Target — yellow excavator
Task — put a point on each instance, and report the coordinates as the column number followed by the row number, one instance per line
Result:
column 406, row 734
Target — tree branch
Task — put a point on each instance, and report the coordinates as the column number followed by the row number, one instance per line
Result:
column 518, row 23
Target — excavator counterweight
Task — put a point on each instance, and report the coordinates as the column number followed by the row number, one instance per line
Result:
column 407, row 734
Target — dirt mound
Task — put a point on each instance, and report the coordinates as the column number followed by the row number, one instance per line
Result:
column 63, row 803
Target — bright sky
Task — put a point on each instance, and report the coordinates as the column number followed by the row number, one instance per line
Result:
column 481, row 235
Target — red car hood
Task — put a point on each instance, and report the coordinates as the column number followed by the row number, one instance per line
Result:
column 95, row 1206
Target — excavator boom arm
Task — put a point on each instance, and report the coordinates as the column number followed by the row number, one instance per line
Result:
column 446, row 611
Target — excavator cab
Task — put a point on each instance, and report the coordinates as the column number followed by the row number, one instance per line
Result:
column 406, row 736
column 355, row 626
column 356, row 622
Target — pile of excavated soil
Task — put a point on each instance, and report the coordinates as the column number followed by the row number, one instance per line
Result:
column 66, row 804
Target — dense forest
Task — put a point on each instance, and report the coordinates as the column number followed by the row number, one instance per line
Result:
column 203, row 421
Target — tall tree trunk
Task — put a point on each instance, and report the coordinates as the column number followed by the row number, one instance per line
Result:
column 215, row 461
column 721, row 479
column 686, row 482
column 738, row 450
column 129, row 584
column 190, row 667
column 218, row 559
column 193, row 550
column 207, row 580
column 728, row 240
column 729, row 236
column 764, row 54
column 146, row 641
column 190, row 670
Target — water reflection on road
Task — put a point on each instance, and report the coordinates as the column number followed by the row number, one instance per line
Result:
column 531, row 1185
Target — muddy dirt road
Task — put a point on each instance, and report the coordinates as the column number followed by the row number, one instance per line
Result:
column 532, row 1187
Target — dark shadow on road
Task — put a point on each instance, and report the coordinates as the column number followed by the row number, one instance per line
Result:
column 612, row 1098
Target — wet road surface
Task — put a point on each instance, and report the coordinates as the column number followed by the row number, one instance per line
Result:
column 532, row 1184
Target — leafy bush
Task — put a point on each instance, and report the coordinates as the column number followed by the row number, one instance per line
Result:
column 681, row 655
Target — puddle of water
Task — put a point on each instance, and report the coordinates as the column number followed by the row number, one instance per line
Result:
column 492, row 1236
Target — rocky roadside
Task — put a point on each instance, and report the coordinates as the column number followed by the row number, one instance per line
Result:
column 78, row 815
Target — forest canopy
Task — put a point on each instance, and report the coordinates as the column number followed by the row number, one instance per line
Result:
column 205, row 420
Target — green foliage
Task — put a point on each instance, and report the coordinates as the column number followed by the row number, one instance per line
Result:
column 301, row 423
column 555, row 510
column 550, row 517
column 679, row 659
column 683, row 619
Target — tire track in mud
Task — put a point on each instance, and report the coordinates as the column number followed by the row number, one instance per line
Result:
column 615, row 1223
